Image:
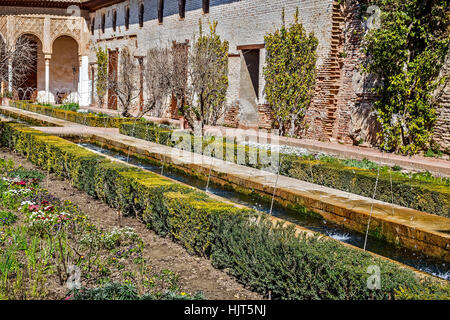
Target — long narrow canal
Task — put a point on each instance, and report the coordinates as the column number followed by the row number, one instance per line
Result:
column 406, row 256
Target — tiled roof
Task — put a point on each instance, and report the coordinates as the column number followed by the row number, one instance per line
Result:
column 64, row 1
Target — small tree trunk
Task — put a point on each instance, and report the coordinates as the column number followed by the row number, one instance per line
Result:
column 292, row 128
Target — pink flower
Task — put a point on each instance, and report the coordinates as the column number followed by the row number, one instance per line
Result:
column 33, row 208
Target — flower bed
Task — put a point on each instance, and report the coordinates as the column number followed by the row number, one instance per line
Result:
column 420, row 191
column 43, row 238
column 73, row 116
column 262, row 256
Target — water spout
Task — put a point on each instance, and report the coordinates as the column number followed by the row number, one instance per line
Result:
column 134, row 128
column 275, row 186
column 209, row 175
column 162, row 166
column 392, row 192
column 371, row 208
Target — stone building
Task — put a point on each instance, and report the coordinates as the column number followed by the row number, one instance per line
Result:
column 62, row 40
column 68, row 32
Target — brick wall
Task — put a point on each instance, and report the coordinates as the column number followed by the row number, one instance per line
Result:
column 355, row 119
column 442, row 126
column 341, row 109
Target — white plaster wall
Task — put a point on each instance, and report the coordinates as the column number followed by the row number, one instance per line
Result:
column 241, row 22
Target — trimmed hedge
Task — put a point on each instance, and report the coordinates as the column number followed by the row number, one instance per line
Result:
column 24, row 118
column 73, row 116
column 262, row 256
column 411, row 193
column 427, row 196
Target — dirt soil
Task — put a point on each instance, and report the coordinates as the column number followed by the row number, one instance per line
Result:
column 195, row 273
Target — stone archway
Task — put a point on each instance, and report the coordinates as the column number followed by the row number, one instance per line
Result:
column 64, row 69
column 33, row 79
column 52, row 30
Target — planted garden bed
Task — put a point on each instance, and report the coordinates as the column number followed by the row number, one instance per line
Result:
column 419, row 191
column 49, row 249
column 260, row 255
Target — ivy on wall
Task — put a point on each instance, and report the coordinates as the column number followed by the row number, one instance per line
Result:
column 290, row 73
column 102, row 75
column 406, row 53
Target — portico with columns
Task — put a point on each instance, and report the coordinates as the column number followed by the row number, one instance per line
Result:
column 62, row 72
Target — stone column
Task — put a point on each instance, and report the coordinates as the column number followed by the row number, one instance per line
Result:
column 47, row 58
column 83, row 85
column 10, row 76
column 262, row 80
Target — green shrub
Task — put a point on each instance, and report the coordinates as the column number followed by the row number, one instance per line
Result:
column 405, row 54
column 260, row 255
column 290, row 73
column 22, row 173
column 69, row 106
column 118, row 291
column 418, row 193
column 26, row 118
column 189, row 220
column 432, row 291
column 298, row 267
column 69, row 114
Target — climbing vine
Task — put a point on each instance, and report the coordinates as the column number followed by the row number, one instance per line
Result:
column 290, row 73
column 102, row 75
column 406, row 53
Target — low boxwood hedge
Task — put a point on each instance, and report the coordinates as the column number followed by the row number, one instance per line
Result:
column 264, row 257
column 25, row 118
column 428, row 196
column 73, row 116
